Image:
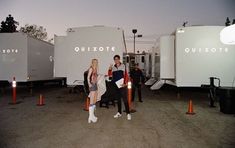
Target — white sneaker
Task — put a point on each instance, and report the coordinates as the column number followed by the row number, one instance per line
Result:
column 117, row 115
column 128, row 116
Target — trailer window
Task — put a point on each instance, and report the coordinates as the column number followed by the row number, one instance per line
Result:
column 142, row 59
column 127, row 59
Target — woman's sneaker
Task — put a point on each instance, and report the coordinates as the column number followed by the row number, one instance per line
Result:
column 117, row 115
column 128, row 116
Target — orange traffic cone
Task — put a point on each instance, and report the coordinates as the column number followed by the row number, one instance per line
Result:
column 87, row 104
column 40, row 100
column 190, row 108
column 126, row 77
column 129, row 97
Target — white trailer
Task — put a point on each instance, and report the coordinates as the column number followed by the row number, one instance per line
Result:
column 74, row 52
column 193, row 55
column 154, row 66
column 25, row 58
column 130, row 59
column 147, row 64
column 140, row 59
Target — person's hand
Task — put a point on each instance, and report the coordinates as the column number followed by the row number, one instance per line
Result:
column 110, row 66
column 123, row 85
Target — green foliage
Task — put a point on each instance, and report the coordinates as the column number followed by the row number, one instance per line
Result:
column 9, row 25
column 35, row 31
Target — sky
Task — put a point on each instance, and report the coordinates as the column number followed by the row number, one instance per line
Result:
column 152, row 18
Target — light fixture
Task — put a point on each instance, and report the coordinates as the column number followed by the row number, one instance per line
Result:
column 180, row 31
column 227, row 35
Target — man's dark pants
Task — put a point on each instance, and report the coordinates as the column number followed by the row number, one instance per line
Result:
column 138, row 87
column 122, row 94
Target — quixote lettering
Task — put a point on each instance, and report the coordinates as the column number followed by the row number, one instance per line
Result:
column 8, row 51
column 95, row 49
column 206, row 50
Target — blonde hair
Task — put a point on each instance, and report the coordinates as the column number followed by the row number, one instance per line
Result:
column 94, row 64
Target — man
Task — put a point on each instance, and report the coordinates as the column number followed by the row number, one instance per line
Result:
column 118, row 73
column 137, row 78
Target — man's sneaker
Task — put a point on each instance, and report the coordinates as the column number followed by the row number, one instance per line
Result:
column 128, row 116
column 117, row 115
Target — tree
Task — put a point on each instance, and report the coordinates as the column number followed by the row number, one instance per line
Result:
column 35, row 31
column 9, row 25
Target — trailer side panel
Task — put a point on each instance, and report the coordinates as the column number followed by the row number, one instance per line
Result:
column 13, row 56
column 200, row 54
column 40, row 60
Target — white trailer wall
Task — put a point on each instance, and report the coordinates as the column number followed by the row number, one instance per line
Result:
column 140, row 60
column 157, row 66
column 25, row 58
column 147, row 65
column 200, row 55
column 40, row 60
column 13, row 59
column 154, row 64
column 83, row 44
column 60, row 57
column 167, row 57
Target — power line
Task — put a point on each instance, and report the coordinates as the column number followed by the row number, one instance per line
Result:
column 141, row 42
column 148, row 36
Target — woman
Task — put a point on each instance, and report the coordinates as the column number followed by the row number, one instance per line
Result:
column 92, row 82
